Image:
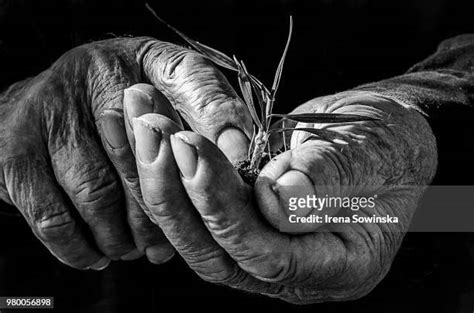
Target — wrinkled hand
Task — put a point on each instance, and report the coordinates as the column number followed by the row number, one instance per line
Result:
column 229, row 234
column 65, row 159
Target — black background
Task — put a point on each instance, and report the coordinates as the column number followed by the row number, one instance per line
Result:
column 336, row 45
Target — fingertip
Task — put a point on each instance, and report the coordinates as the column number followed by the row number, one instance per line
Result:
column 268, row 200
column 294, row 185
column 160, row 254
column 132, row 255
column 276, row 167
column 141, row 99
column 277, row 185
column 185, row 155
column 234, row 143
column 136, row 102
column 147, row 140
column 162, row 122
column 200, row 157
column 100, row 265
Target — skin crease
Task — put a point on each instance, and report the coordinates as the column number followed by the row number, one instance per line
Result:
column 65, row 158
column 236, row 247
column 225, row 231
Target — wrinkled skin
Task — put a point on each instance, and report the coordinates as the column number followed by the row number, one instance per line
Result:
column 227, row 232
column 65, row 159
column 211, row 216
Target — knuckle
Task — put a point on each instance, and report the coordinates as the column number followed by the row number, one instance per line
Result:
column 92, row 187
column 157, row 206
column 270, row 264
column 133, row 184
column 181, row 62
column 95, row 191
column 58, row 228
column 172, row 61
column 277, row 270
column 104, row 68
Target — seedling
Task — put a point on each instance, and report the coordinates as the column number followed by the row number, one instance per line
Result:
column 253, row 89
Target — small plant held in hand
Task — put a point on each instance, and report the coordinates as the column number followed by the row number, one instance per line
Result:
column 254, row 91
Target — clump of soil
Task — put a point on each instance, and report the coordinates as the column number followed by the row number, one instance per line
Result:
column 249, row 175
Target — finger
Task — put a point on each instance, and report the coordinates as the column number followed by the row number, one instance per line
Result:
column 89, row 180
column 352, row 166
column 199, row 163
column 141, row 99
column 148, row 238
column 353, row 250
column 164, row 195
column 308, row 171
column 35, row 193
column 225, row 205
column 202, row 95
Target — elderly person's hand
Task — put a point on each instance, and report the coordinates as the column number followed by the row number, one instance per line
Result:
column 230, row 233
column 65, row 160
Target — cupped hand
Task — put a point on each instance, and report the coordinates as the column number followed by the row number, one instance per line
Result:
column 230, row 233
column 65, row 158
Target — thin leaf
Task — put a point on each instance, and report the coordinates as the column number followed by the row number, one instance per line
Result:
column 257, row 91
column 252, row 143
column 276, row 81
column 324, row 134
column 258, row 95
column 262, row 94
column 214, row 55
column 239, row 66
column 325, row 117
column 283, row 134
column 249, row 77
column 255, row 81
column 260, row 85
column 279, row 70
column 246, row 89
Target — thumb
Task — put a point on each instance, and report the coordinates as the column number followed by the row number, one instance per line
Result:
column 288, row 186
column 375, row 157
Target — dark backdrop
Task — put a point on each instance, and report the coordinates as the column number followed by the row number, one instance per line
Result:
column 336, row 45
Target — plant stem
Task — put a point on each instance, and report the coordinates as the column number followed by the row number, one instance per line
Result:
column 260, row 143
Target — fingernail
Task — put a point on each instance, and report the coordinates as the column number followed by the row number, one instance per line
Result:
column 234, row 143
column 147, row 140
column 132, row 255
column 101, row 264
column 160, row 254
column 184, row 154
column 114, row 129
column 136, row 103
column 296, row 185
